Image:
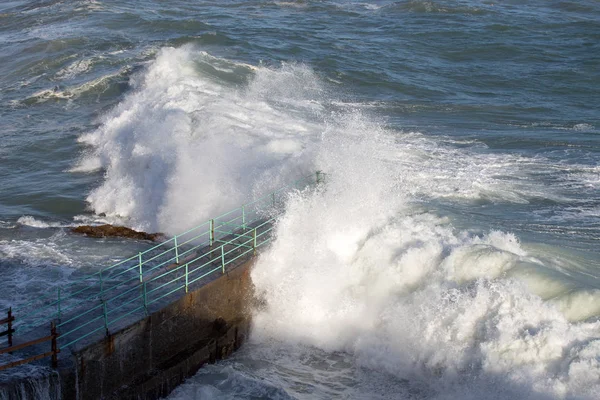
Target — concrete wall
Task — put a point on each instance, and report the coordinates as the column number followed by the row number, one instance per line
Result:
column 148, row 359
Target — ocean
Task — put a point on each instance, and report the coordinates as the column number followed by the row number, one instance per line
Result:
column 453, row 252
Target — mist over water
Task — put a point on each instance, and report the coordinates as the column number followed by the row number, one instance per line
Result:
column 452, row 252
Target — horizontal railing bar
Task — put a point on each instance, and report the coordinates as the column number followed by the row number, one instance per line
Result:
column 191, row 250
column 157, row 246
column 241, row 255
column 200, row 267
column 165, row 284
column 170, row 249
column 194, row 228
column 194, row 238
column 205, row 274
column 28, row 360
column 133, row 278
column 122, row 294
column 78, row 327
column 26, row 344
column 166, row 294
column 265, row 242
column 79, row 315
column 137, row 298
column 82, row 337
column 169, row 261
column 125, row 315
column 154, row 278
column 7, row 332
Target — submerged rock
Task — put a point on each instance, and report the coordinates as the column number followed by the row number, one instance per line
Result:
column 107, row 230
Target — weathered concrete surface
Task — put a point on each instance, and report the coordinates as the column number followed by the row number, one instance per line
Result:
column 148, row 359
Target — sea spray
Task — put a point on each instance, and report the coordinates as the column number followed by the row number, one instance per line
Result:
column 185, row 145
column 35, row 384
column 359, row 267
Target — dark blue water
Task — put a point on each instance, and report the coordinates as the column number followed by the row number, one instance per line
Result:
column 464, row 135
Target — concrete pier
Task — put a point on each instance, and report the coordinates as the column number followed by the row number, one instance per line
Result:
column 149, row 358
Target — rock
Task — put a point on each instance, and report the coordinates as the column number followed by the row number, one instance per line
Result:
column 115, row 231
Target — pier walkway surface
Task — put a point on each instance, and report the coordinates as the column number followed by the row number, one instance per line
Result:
column 122, row 303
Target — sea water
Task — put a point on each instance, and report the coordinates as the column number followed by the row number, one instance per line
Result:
column 452, row 252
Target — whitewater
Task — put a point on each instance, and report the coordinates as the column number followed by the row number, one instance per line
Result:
column 452, row 251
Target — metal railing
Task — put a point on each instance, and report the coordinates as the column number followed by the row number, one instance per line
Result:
column 54, row 350
column 114, row 296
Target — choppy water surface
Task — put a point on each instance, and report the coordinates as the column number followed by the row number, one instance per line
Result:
column 453, row 253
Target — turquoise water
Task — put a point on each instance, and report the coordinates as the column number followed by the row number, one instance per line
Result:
column 463, row 141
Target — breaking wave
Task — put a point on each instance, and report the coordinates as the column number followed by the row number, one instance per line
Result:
column 360, row 266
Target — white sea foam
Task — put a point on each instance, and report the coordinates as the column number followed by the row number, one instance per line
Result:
column 6, row 224
column 583, row 127
column 87, row 163
column 356, row 266
column 76, row 68
column 184, row 147
column 69, row 93
column 36, row 223
column 35, row 252
column 406, row 294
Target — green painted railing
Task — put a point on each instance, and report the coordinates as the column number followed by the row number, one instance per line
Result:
column 117, row 295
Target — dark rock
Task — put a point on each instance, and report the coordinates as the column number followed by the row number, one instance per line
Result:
column 107, row 230
column 220, row 325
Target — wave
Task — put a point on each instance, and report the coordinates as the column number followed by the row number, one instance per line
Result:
column 187, row 145
column 356, row 268
column 579, row 305
column 425, row 6
column 75, row 68
column 6, row 224
column 198, row 134
column 360, row 265
column 36, row 223
column 93, row 87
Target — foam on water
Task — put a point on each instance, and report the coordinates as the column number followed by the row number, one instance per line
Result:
column 356, row 269
column 36, row 223
column 77, row 67
column 359, row 266
column 35, row 252
column 187, row 144
column 92, row 87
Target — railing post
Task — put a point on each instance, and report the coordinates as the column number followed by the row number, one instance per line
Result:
column 243, row 218
column 10, row 331
column 101, row 285
column 54, row 345
column 211, row 236
column 254, row 240
column 145, row 299
column 176, row 250
column 105, row 317
column 58, row 304
column 223, row 258
column 273, row 197
column 141, row 273
column 186, row 277
column 318, row 177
